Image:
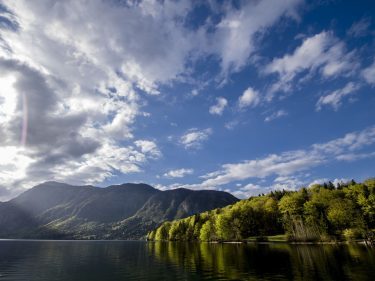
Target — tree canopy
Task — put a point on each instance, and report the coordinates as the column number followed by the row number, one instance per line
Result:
column 318, row 213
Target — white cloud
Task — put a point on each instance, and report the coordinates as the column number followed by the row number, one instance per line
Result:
column 335, row 98
column 179, row 173
column 72, row 97
column 369, row 74
column 288, row 182
column 248, row 190
column 318, row 181
column 237, row 32
column 149, row 148
column 335, row 182
column 288, row 163
column 278, row 114
column 354, row 157
column 283, row 164
column 194, row 138
column 219, row 107
column 250, row 97
column 280, row 183
column 321, row 53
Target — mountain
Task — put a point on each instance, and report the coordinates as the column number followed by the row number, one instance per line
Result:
column 127, row 211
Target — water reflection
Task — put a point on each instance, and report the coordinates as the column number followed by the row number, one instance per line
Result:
column 92, row 261
column 271, row 261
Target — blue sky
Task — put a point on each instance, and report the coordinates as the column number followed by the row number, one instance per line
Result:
column 242, row 96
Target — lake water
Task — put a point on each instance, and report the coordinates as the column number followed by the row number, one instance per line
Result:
column 120, row 260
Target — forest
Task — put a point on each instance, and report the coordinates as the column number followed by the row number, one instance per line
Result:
column 319, row 213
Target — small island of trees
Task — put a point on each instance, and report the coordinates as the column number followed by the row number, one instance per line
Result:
column 321, row 212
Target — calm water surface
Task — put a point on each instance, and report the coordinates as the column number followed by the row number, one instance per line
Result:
column 118, row 260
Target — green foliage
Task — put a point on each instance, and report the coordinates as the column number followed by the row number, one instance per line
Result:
column 162, row 233
column 207, row 232
column 351, row 234
column 318, row 213
column 151, row 235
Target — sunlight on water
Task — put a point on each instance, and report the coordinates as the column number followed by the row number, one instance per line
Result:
column 117, row 260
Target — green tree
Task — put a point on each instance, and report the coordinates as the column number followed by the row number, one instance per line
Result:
column 207, row 232
column 162, row 233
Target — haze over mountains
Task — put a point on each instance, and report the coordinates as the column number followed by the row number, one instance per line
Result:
column 127, row 211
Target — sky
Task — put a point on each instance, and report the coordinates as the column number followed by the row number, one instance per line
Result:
column 240, row 96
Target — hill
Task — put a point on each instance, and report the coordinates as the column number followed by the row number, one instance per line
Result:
column 318, row 213
column 127, row 211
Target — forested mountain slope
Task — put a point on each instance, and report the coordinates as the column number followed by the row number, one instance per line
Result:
column 318, row 213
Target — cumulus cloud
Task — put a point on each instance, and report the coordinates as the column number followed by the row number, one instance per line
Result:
column 276, row 115
column 322, row 53
column 68, row 104
column 179, row 173
column 249, row 98
column 194, row 138
column 219, row 107
column 335, row 98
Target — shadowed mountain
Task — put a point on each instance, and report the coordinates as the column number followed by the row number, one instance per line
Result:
column 126, row 211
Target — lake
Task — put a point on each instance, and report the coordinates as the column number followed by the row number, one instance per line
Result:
column 139, row 260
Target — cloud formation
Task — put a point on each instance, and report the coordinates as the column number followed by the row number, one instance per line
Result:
column 322, row 53
column 369, row 74
column 335, row 98
column 194, row 138
column 77, row 77
column 288, row 163
column 276, row 115
column 219, row 107
column 249, row 98
column 236, row 34
column 179, row 173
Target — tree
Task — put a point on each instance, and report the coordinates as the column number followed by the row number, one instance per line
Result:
column 162, row 233
column 151, row 235
column 207, row 232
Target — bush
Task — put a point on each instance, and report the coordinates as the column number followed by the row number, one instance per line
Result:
column 351, row 234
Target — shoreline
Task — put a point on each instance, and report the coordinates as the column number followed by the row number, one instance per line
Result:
column 358, row 242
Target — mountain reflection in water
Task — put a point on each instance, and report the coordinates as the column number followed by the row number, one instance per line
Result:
column 137, row 260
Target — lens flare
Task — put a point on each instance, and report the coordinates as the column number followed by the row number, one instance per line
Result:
column 24, row 120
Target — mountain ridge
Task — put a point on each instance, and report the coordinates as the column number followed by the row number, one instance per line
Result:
column 124, row 211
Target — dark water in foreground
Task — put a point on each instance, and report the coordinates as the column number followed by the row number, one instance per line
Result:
column 115, row 260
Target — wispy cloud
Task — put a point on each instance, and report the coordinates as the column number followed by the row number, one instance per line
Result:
column 360, row 28
column 288, row 163
column 194, row 138
column 335, row 98
column 369, row 74
column 321, row 53
column 278, row 114
column 235, row 37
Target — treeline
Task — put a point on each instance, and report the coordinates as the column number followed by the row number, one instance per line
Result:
column 318, row 213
